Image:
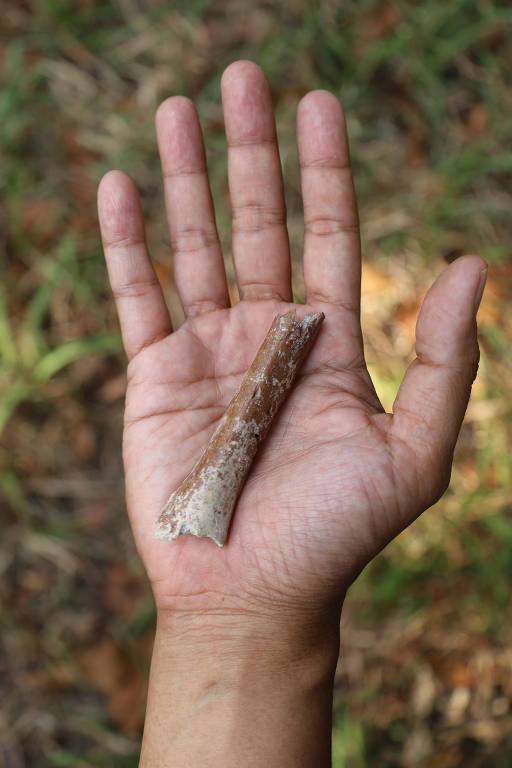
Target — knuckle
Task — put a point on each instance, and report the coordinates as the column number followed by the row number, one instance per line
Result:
column 201, row 307
column 257, row 291
column 326, row 226
column 328, row 163
column 255, row 217
column 134, row 289
column 319, row 296
column 124, row 242
column 192, row 239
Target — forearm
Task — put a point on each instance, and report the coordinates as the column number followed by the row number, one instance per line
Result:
column 246, row 697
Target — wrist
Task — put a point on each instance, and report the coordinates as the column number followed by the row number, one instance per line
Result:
column 276, row 639
column 231, row 689
column 234, row 690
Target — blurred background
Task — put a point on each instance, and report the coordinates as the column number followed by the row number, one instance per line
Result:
column 426, row 672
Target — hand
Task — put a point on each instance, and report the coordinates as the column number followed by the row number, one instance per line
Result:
column 337, row 477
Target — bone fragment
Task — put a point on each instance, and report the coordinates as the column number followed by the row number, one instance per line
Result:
column 204, row 503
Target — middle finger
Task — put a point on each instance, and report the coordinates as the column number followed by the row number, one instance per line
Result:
column 260, row 239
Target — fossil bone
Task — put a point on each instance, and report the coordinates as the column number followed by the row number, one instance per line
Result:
column 204, row 502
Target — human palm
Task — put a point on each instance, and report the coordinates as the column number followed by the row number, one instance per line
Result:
column 337, row 477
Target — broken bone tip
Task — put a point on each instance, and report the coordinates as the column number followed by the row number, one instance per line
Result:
column 165, row 531
column 312, row 318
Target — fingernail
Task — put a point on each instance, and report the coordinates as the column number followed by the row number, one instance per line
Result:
column 480, row 290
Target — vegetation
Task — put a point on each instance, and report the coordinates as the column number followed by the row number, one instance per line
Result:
column 426, row 673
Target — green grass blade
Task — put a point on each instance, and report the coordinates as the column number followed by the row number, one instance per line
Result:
column 8, row 353
column 67, row 353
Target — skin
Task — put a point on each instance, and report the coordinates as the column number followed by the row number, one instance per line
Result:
column 336, row 479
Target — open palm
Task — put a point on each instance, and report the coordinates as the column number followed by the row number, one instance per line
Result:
column 336, row 477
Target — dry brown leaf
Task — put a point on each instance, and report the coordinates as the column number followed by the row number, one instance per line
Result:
column 83, row 441
column 380, row 23
column 108, row 668
column 123, row 589
column 113, row 389
column 374, row 280
column 476, row 120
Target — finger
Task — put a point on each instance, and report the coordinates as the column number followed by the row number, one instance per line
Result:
column 198, row 264
column 332, row 256
column 141, row 307
column 433, row 397
column 260, row 239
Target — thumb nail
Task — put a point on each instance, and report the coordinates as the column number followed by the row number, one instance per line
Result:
column 480, row 290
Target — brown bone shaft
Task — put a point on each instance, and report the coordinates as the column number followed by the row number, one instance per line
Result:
column 204, row 503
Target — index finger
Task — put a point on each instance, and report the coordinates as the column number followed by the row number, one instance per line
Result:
column 141, row 306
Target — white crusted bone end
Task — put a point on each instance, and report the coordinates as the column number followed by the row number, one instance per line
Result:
column 203, row 507
column 174, row 520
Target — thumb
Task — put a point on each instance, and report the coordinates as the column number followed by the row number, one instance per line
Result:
column 434, row 394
